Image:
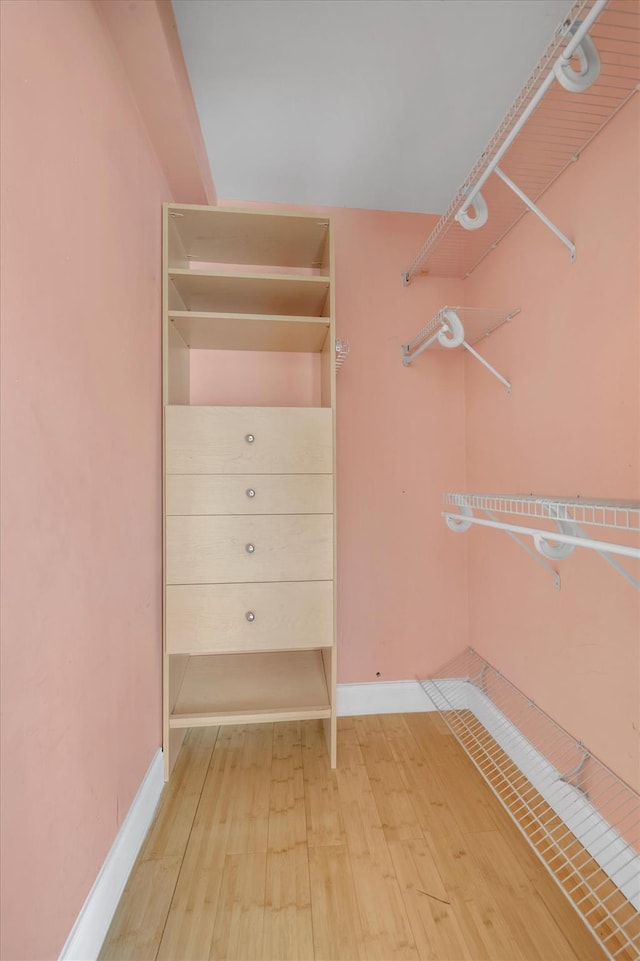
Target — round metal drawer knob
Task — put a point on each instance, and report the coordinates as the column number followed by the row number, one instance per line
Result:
column 249, row 438
column 250, row 492
column 250, row 548
column 250, row 616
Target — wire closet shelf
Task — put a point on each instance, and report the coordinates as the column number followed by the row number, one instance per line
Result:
column 454, row 327
column 579, row 817
column 565, row 515
column 544, row 132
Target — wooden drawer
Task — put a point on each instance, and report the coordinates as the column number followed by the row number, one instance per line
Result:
column 216, row 440
column 211, row 618
column 213, row 550
column 249, row 494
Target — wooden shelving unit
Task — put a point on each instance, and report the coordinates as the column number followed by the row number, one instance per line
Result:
column 249, row 492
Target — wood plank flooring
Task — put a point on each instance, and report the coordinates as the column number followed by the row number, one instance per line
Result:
column 260, row 852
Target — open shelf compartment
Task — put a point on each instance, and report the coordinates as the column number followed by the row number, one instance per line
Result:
column 214, row 330
column 257, row 293
column 224, row 235
column 581, row 820
column 253, row 687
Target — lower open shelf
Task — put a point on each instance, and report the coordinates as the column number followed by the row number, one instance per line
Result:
column 247, row 688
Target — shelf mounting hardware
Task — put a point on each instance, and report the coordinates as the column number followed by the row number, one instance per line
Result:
column 552, row 545
column 447, row 330
column 580, row 46
column 585, row 76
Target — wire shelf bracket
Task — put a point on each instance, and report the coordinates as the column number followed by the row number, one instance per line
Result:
column 581, row 819
column 342, row 352
column 447, row 330
column 552, row 544
column 556, row 115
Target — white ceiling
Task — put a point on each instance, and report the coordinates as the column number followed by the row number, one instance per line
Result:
column 383, row 104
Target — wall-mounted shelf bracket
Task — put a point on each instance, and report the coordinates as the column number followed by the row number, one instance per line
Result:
column 447, row 330
column 536, row 210
column 558, row 544
column 576, row 776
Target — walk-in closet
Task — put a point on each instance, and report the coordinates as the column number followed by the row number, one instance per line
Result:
column 321, row 480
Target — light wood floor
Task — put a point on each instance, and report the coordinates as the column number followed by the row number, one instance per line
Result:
column 260, row 852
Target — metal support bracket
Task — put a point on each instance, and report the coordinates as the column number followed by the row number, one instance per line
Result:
column 450, row 334
column 536, row 210
column 486, row 364
column 579, row 532
column 406, row 278
column 532, row 553
column 574, row 777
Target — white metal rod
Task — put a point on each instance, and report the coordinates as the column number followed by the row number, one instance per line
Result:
column 550, row 535
column 536, row 210
column 533, row 103
column 487, row 365
column 582, row 30
column 538, row 558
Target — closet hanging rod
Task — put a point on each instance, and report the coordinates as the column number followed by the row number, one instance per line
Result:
column 541, row 536
column 565, row 514
column 556, row 115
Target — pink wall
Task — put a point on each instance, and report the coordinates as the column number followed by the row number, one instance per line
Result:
column 81, row 633
column 572, row 426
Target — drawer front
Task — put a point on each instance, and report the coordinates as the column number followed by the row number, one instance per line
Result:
column 249, row 494
column 245, row 440
column 228, row 550
column 213, row 618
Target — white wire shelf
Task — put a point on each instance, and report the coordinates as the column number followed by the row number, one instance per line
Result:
column 563, row 533
column 454, row 327
column 616, row 515
column 580, row 818
column 544, row 132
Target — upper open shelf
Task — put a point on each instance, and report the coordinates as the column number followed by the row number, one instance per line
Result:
column 555, row 117
column 221, row 235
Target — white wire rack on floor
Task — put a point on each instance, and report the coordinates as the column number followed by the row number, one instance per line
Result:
column 555, row 117
column 580, row 818
column 454, row 327
column 564, row 514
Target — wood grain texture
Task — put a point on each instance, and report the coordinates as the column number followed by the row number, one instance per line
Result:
column 232, row 550
column 261, row 852
column 212, row 330
column 227, row 494
column 212, row 618
column 212, row 440
column 241, row 236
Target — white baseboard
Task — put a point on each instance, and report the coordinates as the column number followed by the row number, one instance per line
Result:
column 382, row 697
column 92, row 924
